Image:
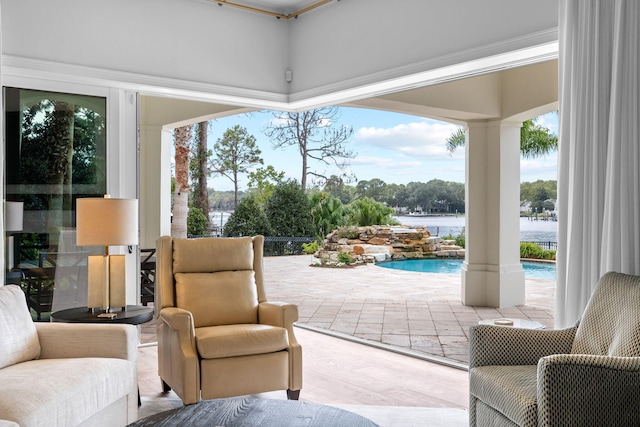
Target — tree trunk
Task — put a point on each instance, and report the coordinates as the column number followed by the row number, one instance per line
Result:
column 202, row 198
column 181, row 137
column 61, row 154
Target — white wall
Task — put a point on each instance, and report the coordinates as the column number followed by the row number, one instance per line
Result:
column 193, row 40
column 352, row 39
column 341, row 44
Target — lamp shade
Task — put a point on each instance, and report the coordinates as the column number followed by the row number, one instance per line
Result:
column 106, row 222
column 13, row 213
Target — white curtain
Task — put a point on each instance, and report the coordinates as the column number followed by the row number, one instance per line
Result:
column 599, row 148
column 3, row 269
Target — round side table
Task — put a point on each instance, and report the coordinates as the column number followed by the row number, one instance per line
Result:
column 513, row 323
column 131, row 315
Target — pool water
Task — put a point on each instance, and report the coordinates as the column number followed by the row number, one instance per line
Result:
column 532, row 270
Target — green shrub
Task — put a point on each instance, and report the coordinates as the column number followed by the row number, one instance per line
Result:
column 460, row 239
column 197, row 222
column 344, row 258
column 548, row 254
column 349, row 232
column 310, row 248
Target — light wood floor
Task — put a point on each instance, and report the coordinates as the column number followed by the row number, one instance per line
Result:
column 341, row 372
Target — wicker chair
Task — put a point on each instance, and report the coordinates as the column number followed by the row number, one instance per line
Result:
column 588, row 374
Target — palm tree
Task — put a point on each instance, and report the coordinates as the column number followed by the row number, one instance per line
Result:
column 181, row 139
column 535, row 140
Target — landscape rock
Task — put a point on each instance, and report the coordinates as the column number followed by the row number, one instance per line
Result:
column 380, row 243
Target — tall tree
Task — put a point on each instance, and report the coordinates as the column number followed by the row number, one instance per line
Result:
column 316, row 138
column 263, row 181
column 199, row 170
column 535, row 140
column 181, row 141
column 234, row 153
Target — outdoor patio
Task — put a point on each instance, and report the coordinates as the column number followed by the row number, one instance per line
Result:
column 417, row 313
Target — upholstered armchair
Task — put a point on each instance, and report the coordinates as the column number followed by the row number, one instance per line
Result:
column 217, row 334
column 588, row 374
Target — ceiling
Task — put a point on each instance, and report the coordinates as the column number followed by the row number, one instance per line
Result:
column 279, row 8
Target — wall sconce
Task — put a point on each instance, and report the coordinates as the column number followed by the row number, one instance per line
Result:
column 13, row 221
column 106, row 222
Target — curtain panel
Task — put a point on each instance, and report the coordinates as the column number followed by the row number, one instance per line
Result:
column 599, row 153
column 2, row 254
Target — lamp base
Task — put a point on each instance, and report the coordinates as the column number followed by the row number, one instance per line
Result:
column 108, row 315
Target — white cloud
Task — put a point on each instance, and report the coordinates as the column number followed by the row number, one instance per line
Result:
column 549, row 121
column 423, row 139
column 384, row 163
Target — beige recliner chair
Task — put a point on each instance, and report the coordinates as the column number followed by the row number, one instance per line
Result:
column 217, row 334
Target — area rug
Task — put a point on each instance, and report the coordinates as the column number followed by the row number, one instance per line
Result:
column 405, row 416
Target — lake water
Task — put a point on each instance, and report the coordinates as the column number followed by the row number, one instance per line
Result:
column 530, row 231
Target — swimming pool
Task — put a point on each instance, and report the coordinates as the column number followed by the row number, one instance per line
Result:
column 532, row 270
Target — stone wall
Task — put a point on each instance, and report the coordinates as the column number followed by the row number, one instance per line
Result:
column 384, row 243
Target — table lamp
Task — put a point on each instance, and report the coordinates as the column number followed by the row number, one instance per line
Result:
column 13, row 221
column 106, row 222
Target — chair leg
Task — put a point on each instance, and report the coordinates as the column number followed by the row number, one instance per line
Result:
column 293, row 394
column 165, row 387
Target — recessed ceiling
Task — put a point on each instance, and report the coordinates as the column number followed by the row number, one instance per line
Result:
column 278, row 8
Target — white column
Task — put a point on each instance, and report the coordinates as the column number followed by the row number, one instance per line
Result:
column 491, row 273
column 155, row 184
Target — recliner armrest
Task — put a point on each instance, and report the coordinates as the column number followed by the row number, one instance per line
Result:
column 280, row 314
column 498, row 345
column 581, row 389
column 71, row 340
column 178, row 319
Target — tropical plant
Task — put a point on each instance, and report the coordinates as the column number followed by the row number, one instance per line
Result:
column 367, row 211
column 535, row 140
column 328, row 212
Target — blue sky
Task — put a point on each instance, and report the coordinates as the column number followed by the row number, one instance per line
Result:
column 395, row 148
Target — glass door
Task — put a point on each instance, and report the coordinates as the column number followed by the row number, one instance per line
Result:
column 55, row 152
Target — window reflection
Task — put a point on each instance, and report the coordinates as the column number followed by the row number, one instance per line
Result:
column 55, row 152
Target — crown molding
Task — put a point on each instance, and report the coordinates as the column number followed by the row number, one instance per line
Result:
column 532, row 48
column 13, row 66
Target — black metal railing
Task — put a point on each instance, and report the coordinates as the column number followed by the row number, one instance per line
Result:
column 281, row 245
column 544, row 245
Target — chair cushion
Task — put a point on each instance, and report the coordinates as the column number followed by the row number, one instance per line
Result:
column 222, row 298
column 610, row 325
column 216, row 342
column 201, row 256
column 18, row 337
column 511, row 390
column 63, row 392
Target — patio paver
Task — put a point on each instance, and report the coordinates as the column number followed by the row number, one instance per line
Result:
column 417, row 312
